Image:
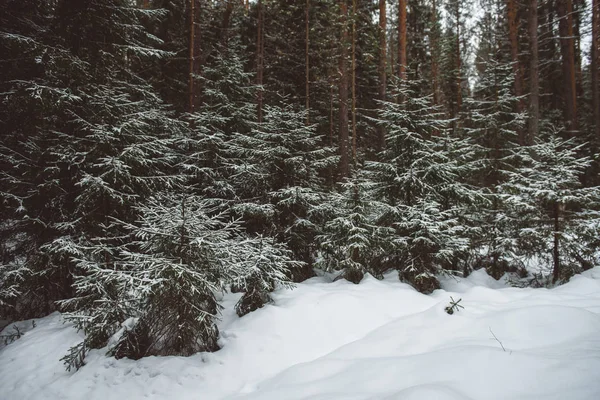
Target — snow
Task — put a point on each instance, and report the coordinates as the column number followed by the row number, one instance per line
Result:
column 375, row 340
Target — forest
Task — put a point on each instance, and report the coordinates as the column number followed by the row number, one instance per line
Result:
column 158, row 153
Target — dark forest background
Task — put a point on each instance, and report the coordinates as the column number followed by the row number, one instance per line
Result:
column 156, row 153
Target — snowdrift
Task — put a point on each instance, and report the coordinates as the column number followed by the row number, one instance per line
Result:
column 330, row 341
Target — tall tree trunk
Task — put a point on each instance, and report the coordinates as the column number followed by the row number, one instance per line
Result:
column 458, row 64
column 354, row 138
column 382, row 66
column 402, row 39
column 192, row 56
column 513, row 33
column 307, row 59
column 343, row 92
column 534, row 74
column 260, row 49
column 596, row 65
column 567, row 49
column 392, row 63
column 555, row 253
column 578, row 9
column 226, row 23
column 434, row 53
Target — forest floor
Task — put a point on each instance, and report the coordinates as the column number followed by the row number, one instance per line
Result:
column 339, row 341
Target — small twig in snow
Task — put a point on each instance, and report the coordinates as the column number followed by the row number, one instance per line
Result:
column 497, row 340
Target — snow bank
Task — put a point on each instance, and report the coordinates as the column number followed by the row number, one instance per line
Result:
column 376, row 340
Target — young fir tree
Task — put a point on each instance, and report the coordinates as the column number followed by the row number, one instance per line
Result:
column 422, row 175
column 278, row 169
column 351, row 241
column 159, row 298
column 549, row 205
column 227, row 110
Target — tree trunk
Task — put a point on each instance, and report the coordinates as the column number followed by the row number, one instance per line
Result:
column 193, row 64
column 434, row 53
column 567, row 49
column 392, row 63
column 382, row 66
column 458, row 64
column 402, row 39
column 555, row 253
column 354, row 138
column 226, row 23
column 578, row 9
column 307, row 59
column 513, row 33
column 343, row 92
column 534, row 74
column 596, row 65
column 260, row 48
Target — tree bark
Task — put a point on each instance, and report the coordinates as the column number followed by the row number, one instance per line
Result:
column 226, row 23
column 260, row 48
column 192, row 57
column 354, row 133
column 382, row 66
column 402, row 39
column 434, row 53
column 513, row 33
column 534, row 74
column 307, row 60
column 458, row 64
column 595, row 66
column 344, row 166
column 567, row 49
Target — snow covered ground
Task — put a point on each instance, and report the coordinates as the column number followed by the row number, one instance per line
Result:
column 339, row 341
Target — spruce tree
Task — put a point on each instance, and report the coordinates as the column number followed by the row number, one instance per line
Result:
column 546, row 199
column 422, row 176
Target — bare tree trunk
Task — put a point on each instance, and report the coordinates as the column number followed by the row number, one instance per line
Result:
column 307, row 59
column 260, row 48
column 567, row 49
column 146, row 4
column 192, row 57
column 596, row 64
column 354, row 138
column 534, row 74
column 402, row 39
column 578, row 9
column 343, row 92
column 434, row 53
column 331, row 115
column 392, row 63
column 382, row 65
column 226, row 23
column 513, row 32
column 458, row 64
